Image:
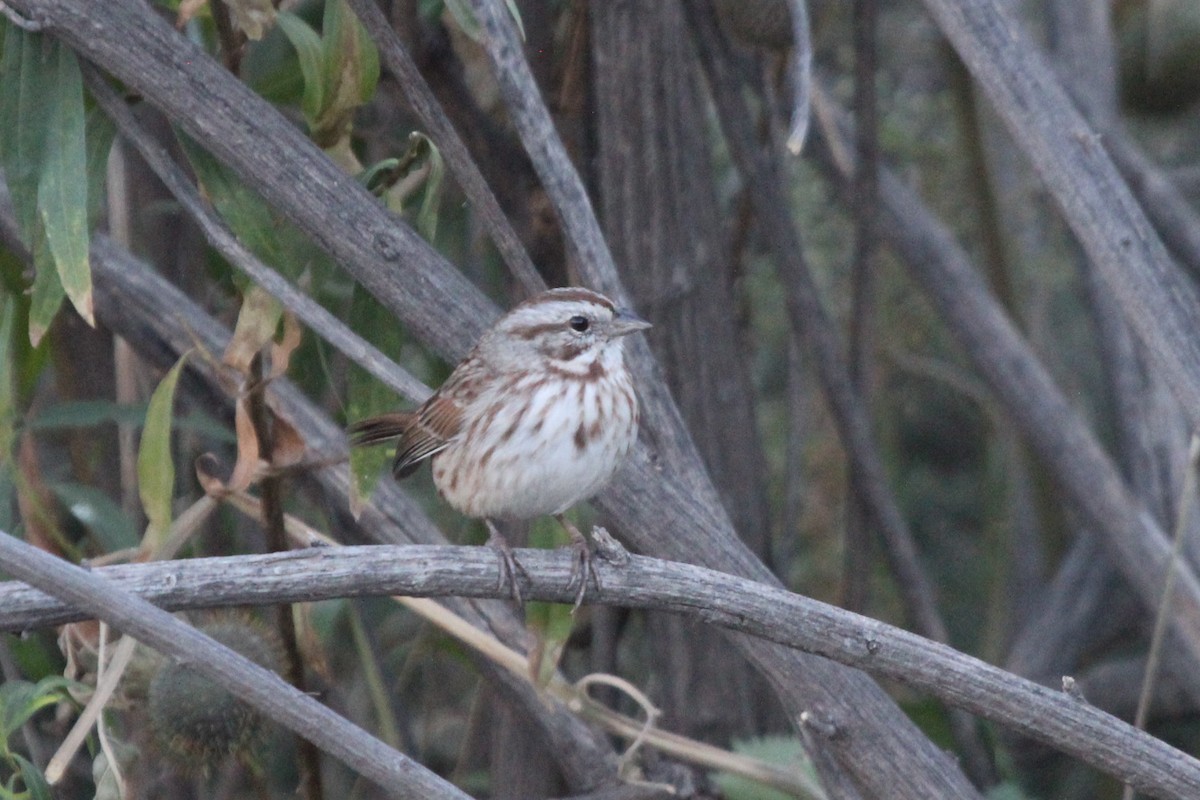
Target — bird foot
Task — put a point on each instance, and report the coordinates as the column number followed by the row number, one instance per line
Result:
column 582, row 566
column 509, row 566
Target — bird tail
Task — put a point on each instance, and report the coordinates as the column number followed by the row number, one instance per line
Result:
column 384, row 428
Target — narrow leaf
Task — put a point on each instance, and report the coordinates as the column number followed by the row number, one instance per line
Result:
column 35, row 782
column 256, row 324
column 351, row 71
column 8, row 368
column 62, row 183
column 516, row 15
column 47, row 294
column 20, row 700
column 248, row 216
column 465, row 17
column 427, row 217
column 112, row 527
column 22, row 136
column 87, row 414
column 99, row 131
column 156, row 470
column 307, row 44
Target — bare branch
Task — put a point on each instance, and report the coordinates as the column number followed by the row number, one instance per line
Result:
column 1136, row 543
column 963, row 681
column 397, row 774
column 307, row 310
column 1068, row 155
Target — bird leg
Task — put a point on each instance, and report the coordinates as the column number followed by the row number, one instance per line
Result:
column 509, row 566
column 582, row 566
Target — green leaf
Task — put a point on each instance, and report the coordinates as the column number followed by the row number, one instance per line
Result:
column 42, row 154
column 99, row 133
column 62, row 182
column 8, row 370
column 367, row 396
column 427, row 217
column 516, row 15
column 20, row 700
column 276, row 242
column 22, row 137
column 35, row 782
column 47, row 294
column 465, row 17
column 307, row 44
column 379, row 176
column 245, row 212
column 156, row 470
column 351, row 57
column 782, row 751
column 1006, row 791
column 99, row 514
column 87, row 414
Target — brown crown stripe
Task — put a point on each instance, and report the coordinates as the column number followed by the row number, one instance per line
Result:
column 531, row 332
column 570, row 294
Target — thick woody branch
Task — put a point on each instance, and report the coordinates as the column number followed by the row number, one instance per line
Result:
column 1055, row 718
column 1135, row 542
column 1070, row 158
column 160, row 322
column 278, row 700
column 662, row 500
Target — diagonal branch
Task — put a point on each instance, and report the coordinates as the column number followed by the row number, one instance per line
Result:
column 760, row 169
column 1135, row 542
column 442, row 131
column 400, row 776
column 1068, row 155
column 307, row 310
column 661, row 500
column 1056, row 718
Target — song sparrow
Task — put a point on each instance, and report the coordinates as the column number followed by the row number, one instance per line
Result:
column 535, row 419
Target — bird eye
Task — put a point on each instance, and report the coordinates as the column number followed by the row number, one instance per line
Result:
column 579, row 323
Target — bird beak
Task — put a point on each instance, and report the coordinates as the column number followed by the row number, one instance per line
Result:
column 625, row 322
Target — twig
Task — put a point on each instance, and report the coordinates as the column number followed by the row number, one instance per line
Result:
column 573, row 696
column 663, row 501
column 101, row 728
column 802, row 59
column 1187, row 498
column 718, row 598
column 856, row 558
column 308, row 758
column 809, row 318
column 27, row 25
column 558, row 176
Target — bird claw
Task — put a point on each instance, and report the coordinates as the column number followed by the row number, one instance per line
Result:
column 509, row 566
column 582, row 567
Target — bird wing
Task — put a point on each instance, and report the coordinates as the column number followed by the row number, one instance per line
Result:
column 434, row 426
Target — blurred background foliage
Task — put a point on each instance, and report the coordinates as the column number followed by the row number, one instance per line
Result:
column 988, row 524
